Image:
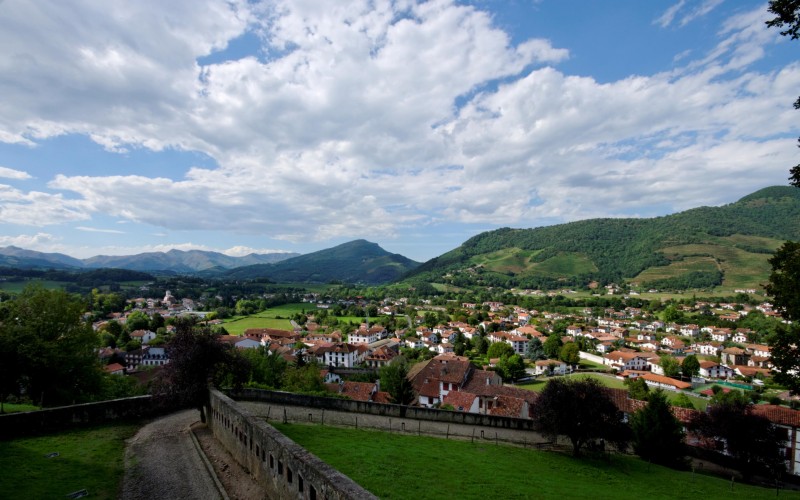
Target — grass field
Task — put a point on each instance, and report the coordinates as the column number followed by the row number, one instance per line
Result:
column 613, row 382
column 276, row 317
column 415, row 467
column 90, row 459
column 17, row 407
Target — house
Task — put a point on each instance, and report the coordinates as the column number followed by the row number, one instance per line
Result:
column 462, row 401
column 689, row 330
column 155, row 356
column 143, row 336
column 623, row 360
column 114, row 369
column 551, row 367
column 787, row 421
column 660, row 381
column 709, row 369
column 338, row 355
column 721, row 334
column 708, row 348
column 734, row 356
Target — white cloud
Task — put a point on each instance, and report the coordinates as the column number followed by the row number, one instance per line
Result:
column 98, row 230
column 669, row 15
column 698, row 10
column 241, row 251
column 10, row 173
column 39, row 241
column 365, row 118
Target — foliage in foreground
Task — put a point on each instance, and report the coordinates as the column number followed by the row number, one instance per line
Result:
column 400, row 466
column 90, row 459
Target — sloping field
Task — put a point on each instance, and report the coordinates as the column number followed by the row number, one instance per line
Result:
column 401, row 466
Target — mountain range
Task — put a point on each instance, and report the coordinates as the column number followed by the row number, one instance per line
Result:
column 707, row 247
column 174, row 261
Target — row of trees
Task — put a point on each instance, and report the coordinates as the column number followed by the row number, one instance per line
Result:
column 583, row 411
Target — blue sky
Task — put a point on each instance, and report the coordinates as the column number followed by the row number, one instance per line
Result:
column 243, row 127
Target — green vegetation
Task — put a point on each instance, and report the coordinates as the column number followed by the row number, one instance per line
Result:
column 706, row 247
column 396, row 466
column 18, row 407
column 90, row 459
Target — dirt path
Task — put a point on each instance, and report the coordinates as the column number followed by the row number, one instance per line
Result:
column 161, row 461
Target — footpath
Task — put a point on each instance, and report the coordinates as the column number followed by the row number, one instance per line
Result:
column 176, row 457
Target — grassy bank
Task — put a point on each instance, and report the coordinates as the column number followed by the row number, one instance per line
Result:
column 395, row 466
column 90, row 459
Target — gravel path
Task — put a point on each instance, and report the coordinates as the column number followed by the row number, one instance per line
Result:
column 162, row 461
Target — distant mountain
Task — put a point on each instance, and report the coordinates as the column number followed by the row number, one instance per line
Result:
column 705, row 247
column 12, row 256
column 176, row 261
column 182, row 261
column 358, row 261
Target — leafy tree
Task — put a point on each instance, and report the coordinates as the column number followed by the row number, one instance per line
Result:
column 787, row 14
column 480, row 344
column 394, row 380
column 47, row 349
column 637, row 388
column 751, row 440
column 535, row 351
column 784, row 280
column 266, row 370
column 197, row 360
column 570, row 354
column 305, row 379
column 690, row 366
column 658, row 436
column 581, row 410
column 670, row 366
column 137, row 320
column 683, row 401
column 499, row 349
column 552, row 346
column 511, row 367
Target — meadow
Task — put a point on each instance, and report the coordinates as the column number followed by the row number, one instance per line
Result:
column 416, row 467
column 90, row 459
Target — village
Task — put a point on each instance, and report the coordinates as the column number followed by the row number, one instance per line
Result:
column 452, row 369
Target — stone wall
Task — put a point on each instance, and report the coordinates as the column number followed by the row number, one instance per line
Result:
column 281, row 466
column 57, row 419
column 386, row 410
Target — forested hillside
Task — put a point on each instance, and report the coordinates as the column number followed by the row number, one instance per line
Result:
column 698, row 248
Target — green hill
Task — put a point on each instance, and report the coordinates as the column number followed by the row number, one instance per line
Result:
column 358, row 261
column 705, row 247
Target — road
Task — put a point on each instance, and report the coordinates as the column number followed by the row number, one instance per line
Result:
column 162, row 461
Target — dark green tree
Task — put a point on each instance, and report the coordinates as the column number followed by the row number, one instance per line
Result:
column 499, row 349
column 657, row 436
column 670, row 366
column 570, row 354
column 690, row 366
column 535, row 351
column 750, row 439
column 197, row 361
column 47, row 349
column 637, row 388
column 552, row 346
column 394, row 380
column 784, row 287
column 511, row 367
column 581, row 410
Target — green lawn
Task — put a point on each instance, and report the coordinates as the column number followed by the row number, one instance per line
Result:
column 278, row 318
column 90, row 459
column 17, row 407
column 415, row 467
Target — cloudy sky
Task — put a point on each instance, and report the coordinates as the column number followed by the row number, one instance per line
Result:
column 249, row 126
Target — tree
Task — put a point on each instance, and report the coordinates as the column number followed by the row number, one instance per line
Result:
column 657, row 436
column 751, row 440
column 683, row 401
column 787, row 14
column 499, row 349
column 670, row 366
column 690, row 366
column 137, row 320
column 535, row 351
column 394, row 380
column 197, row 361
column 47, row 349
column 570, row 354
column 581, row 410
column 511, row 367
column 784, row 287
column 552, row 346
column 637, row 388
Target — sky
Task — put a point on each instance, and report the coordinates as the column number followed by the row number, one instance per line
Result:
column 293, row 126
